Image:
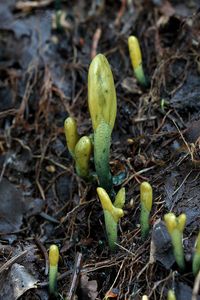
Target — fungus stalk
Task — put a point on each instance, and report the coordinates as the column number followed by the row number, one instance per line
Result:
column 145, row 297
column 112, row 213
column 79, row 148
column 103, row 107
column 136, row 60
column 175, row 226
column 53, row 269
column 196, row 257
column 171, row 295
column 82, row 154
column 71, row 134
column 146, row 196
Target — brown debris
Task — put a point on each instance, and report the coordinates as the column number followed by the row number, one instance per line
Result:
column 43, row 79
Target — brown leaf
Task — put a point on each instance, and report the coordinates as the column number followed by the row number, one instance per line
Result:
column 112, row 294
column 88, row 288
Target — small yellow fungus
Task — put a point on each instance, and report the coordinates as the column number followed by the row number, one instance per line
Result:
column 71, row 134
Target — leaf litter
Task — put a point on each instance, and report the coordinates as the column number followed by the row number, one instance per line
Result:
column 43, row 77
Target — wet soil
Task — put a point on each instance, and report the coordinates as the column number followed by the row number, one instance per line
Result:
column 45, row 51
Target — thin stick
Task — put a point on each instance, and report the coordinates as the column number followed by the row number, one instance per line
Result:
column 32, row 4
column 75, row 277
column 15, row 258
column 196, row 287
column 95, row 42
column 45, row 254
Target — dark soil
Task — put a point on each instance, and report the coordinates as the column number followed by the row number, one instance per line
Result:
column 43, row 79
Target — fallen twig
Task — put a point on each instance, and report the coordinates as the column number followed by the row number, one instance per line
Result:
column 75, row 277
column 21, row 5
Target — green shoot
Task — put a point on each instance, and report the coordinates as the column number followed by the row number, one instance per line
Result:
column 82, row 154
column 103, row 107
column 175, row 226
column 146, row 196
column 53, row 269
column 196, row 257
column 171, row 295
column 112, row 213
column 136, row 60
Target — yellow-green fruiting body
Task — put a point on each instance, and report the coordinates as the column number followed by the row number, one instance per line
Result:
column 82, row 155
column 53, row 268
column 136, row 60
column 71, row 134
column 135, row 52
column 181, row 221
column 175, row 226
column 101, row 92
column 102, row 141
column 120, row 198
column 196, row 257
column 145, row 297
column 146, row 199
column 111, row 230
column 107, row 205
column 112, row 215
column 103, row 108
column 171, row 295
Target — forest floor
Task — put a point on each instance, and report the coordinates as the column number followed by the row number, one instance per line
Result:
column 46, row 47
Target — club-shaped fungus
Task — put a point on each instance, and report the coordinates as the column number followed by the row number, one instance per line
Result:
column 136, row 60
column 171, row 295
column 82, row 154
column 196, row 257
column 53, row 269
column 71, row 134
column 175, row 226
column 112, row 213
column 146, row 198
column 79, row 148
column 103, row 107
